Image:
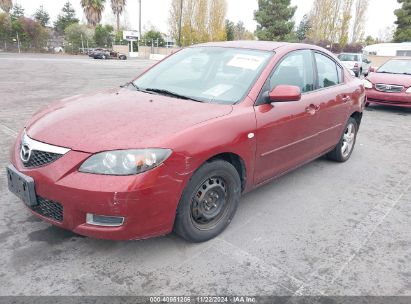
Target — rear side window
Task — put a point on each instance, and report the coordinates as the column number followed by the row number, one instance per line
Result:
column 328, row 75
column 295, row 69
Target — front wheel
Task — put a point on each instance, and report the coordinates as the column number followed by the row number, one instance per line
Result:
column 342, row 152
column 209, row 202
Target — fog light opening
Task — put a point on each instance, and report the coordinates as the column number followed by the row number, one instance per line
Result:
column 106, row 221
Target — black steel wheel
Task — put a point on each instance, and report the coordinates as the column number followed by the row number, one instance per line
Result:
column 209, row 202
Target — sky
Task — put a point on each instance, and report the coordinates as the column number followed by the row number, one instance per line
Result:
column 155, row 12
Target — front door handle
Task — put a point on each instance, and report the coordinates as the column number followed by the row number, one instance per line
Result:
column 312, row 109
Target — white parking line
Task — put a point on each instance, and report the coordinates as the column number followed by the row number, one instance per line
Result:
column 8, row 131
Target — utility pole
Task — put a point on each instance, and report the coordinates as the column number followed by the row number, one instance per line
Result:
column 181, row 21
column 139, row 25
column 18, row 42
column 82, row 43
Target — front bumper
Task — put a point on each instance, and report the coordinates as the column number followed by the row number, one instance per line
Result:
column 390, row 99
column 147, row 201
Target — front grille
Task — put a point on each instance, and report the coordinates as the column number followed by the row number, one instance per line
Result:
column 50, row 209
column 388, row 88
column 41, row 158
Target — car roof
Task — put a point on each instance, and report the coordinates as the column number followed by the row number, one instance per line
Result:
column 256, row 45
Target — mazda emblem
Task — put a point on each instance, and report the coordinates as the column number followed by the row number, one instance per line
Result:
column 25, row 153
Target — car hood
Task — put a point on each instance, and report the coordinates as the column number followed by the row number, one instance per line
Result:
column 118, row 119
column 394, row 79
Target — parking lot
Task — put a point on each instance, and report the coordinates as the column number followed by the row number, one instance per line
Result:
column 325, row 229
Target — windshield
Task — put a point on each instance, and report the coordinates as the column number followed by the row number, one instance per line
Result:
column 206, row 74
column 402, row 66
column 348, row 57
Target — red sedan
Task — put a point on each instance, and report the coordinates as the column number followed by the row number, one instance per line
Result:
column 390, row 84
column 175, row 148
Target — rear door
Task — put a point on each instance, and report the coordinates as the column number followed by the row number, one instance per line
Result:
column 336, row 97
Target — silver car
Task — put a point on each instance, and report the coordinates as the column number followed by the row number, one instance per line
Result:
column 358, row 63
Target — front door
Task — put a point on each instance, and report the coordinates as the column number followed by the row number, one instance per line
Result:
column 287, row 131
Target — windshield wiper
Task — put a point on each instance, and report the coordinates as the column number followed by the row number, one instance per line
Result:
column 386, row 72
column 172, row 94
column 131, row 84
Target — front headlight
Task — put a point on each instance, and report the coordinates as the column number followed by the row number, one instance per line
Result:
column 125, row 162
column 367, row 84
column 408, row 91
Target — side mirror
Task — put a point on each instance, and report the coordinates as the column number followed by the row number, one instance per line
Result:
column 285, row 93
column 372, row 70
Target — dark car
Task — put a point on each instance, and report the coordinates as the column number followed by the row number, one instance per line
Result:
column 390, row 84
column 177, row 147
column 108, row 54
column 93, row 51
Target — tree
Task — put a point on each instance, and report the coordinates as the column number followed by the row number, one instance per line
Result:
column 345, row 22
column 387, row 34
column 35, row 35
column 303, row 28
column 6, row 5
column 103, row 35
column 152, row 37
column 218, row 11
column 93, row 10
column 41, row 16
column 5, row 28
column 361, row 8
column 202, row 21
column 230, row 30
column 17, row 12
column 369, row 40
column 117, row 7
column 403, row 32
column 65, row 18
column 325, row 20
column 75, row 34
column 274, row 19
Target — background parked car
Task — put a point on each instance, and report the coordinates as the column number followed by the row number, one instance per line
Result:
column 108, row 54
column 358, row 63
column 94, row 51
column 390, row 84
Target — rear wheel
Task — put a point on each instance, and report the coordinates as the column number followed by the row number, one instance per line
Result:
column 342, row 152
column 209, row 202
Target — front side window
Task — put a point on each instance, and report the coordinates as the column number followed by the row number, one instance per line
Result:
column 296, row 70
column 327, row 71
column 208, row 74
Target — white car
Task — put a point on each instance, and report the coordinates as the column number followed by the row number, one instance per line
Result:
column 358, row 63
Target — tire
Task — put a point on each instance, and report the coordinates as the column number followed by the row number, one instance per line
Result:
column 123, row 57
column 348, row 140
column 103, row 57
column 199, row 220
column 367, row 104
